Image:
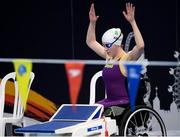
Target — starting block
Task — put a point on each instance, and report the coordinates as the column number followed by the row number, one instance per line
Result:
column 79, row 120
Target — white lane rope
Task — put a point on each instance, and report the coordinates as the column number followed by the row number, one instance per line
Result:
column 91, row 62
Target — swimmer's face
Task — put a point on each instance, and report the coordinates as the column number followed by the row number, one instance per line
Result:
column 111, row 50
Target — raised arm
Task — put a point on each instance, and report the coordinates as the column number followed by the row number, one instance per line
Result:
column 91, row 34
column 136, row 52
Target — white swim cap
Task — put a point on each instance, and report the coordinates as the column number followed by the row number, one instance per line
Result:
column 112, row 35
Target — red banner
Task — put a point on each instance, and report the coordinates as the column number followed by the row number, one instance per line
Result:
column 74, row 73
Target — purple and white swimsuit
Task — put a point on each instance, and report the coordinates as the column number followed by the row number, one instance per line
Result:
column 114, row 82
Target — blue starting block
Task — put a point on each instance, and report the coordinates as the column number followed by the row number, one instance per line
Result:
column 66, row 118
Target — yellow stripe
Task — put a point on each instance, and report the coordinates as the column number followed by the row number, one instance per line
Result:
column 122, row 68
